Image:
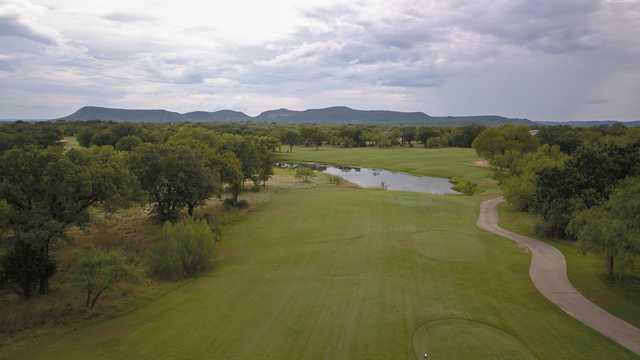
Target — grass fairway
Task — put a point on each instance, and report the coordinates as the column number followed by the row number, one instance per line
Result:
column 446, row 163
column 334, row 272
column 341, row 273
column 586, row 272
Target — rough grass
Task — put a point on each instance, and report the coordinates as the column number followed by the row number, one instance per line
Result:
column 129, row 231
column 586, row 271
column 321, row 271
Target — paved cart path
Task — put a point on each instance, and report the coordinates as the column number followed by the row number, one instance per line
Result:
column 549, row 274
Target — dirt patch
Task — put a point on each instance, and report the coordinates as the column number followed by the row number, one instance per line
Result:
column 481, row 163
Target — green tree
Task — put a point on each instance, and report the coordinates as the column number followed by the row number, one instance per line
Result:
column 47, row 191
column 408, row 134
column 382, row 139
column 520, row 186
column 266, row 159
column 187, row 134
column 104, row 137
column 97, row 272
column 612, row 228
column 465, row 135
column 351, row 136
column 494, row 142
column 85, row 135
column 425, row 133
column 174, row 177
column 128, row 143
column 584, row 181
column 567, row 138
column 291, row 137
column 312, row 135
column 231, row 174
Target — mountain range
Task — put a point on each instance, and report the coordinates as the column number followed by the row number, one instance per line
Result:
column 330, row 115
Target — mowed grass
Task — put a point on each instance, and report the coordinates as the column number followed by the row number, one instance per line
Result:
column 326, row 272
column 586, row 271
column 447, row 162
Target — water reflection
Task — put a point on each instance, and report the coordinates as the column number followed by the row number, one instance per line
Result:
column 379, row 178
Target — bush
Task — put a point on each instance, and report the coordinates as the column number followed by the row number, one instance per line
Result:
column 184, row 250
column 98, row 271
column 305, row 173
column 464, row 186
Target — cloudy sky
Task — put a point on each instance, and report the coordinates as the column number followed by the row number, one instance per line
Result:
column 539, row 59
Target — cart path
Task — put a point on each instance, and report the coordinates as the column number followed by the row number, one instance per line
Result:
column 548, row 271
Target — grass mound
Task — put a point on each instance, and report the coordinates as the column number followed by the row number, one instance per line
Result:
column 464, row 339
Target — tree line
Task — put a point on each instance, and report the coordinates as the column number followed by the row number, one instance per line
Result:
column 47, row 188
column 585, row 184
column 377, row 135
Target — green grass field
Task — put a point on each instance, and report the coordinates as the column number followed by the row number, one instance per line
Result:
column 586, row 271
column 335, row 272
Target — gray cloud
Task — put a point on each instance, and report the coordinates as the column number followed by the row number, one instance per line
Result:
column 13, row 25
column 126, row 17
column 539, row 59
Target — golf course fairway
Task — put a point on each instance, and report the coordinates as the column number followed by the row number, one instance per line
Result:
column 336, row 272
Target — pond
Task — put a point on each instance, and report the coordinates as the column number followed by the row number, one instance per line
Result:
column 383, row 179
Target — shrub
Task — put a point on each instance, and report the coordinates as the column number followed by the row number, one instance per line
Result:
column 98, row 271
column 184, row 250
column 305, row 173
column 464, row 186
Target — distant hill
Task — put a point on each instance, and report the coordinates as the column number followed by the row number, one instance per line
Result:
column 341, row 114
column 127, row 115
column 331, row 115
column 487, row 120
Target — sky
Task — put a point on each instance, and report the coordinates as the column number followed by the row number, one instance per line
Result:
column 535, row 59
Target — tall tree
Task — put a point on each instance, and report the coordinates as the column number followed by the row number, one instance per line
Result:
column 48, row 191
column 174, row 177
column 291, row 137
column 493, row 142
column 585, row 181
column 613, row 228
column 408, row 134
column 231, row 174
column 425, row 133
